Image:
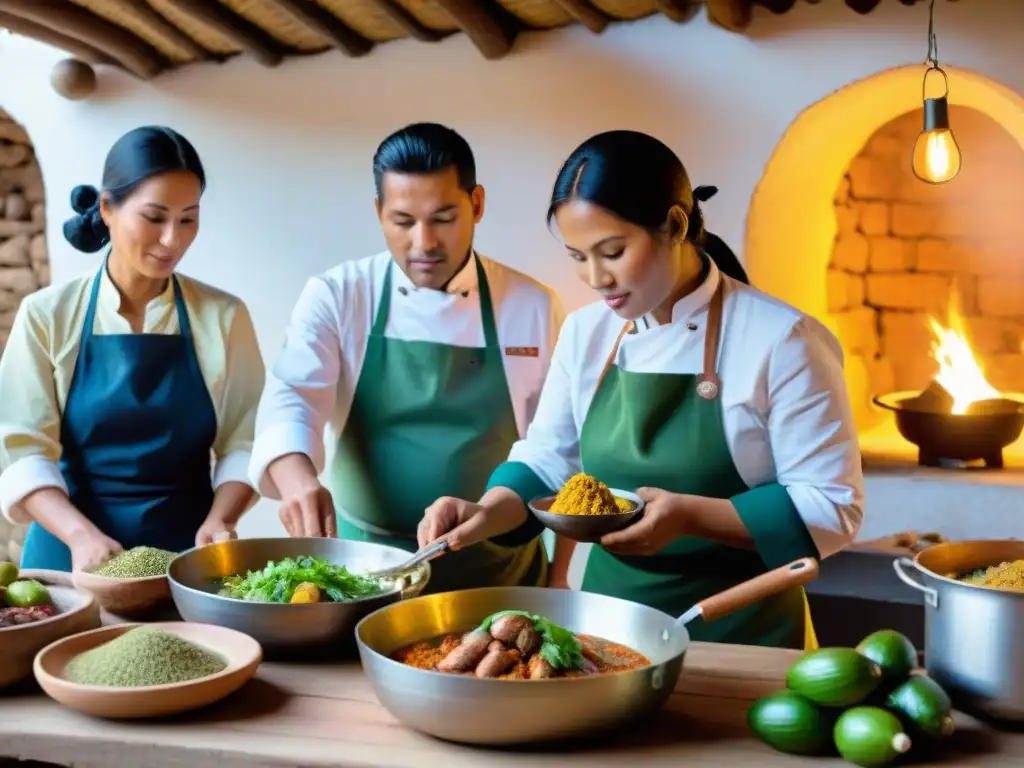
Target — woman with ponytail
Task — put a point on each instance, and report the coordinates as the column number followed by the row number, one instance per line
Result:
column 128, row 395
column 725, row 409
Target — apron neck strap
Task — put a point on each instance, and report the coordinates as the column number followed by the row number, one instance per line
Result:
column 184, row 324
column 380, row 321
column 708, row 383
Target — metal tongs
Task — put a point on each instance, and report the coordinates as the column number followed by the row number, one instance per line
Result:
column 397, row 572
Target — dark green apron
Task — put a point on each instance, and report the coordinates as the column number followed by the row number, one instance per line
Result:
column 665, row 431
column 429, row 420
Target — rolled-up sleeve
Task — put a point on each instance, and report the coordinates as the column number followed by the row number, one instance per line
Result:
column 29, row 415
column 301, row 387
column 243, row 384
column 815, row 506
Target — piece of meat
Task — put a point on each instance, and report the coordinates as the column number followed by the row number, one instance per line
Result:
column 496, row 645
column 495, row 663
column 528, row 641
column 507, row 628
column 14, row 617
column 468, row 654
column 540, row 669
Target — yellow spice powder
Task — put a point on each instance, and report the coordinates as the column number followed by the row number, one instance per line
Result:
column 584, row 495
column 1008, row 575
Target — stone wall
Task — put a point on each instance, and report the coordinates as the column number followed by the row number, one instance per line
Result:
column 903, row 246
column 24, row 262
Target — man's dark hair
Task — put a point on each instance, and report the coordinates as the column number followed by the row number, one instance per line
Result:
column 424, row 148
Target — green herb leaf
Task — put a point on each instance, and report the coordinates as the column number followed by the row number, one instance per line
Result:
column 559, row 647
column 276, row 583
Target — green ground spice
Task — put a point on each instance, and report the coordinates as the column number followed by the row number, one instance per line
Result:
column 143, row 656
column 137, row 563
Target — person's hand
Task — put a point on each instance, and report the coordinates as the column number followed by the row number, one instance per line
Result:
column 663, row 521
column 310, row 513
column 214, row 530
column 560, row 581
column 453, row 519
column 92, row 550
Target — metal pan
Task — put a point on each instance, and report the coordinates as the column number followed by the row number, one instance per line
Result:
column 506, row 712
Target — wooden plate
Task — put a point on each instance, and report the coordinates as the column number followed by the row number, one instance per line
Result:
column 242, row 653
column 19, row 645
column 125, row 597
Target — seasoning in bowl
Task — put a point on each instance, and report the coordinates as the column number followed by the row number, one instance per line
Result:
column 144, row 656
column 137, row 563
column 586, row 495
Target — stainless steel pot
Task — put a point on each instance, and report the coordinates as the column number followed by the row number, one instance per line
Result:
column 194, row 577
column 504, row 712
column 974, row 636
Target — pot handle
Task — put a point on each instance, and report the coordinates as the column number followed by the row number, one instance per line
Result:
column 746, row 593
column 931, row 596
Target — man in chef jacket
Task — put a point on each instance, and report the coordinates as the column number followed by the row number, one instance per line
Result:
column 426, row 360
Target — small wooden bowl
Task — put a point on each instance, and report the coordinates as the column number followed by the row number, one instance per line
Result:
column 587, row 528
column 242, row 653
column 19, row 645
column 125, row 597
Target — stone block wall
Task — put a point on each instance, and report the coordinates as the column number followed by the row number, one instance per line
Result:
column 24, row 261
column 904, row 247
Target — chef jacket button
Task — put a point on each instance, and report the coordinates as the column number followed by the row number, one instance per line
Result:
column 691, row 326
column 403, row 290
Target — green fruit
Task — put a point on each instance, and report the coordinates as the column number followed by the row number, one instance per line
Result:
column 924, row 706
column 26, row 593
column 834, row 677
column 790, row 723
column 891, row 651
column 8, row 573
column 869, row 736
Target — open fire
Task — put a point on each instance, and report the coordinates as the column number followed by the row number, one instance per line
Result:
column 960, row 417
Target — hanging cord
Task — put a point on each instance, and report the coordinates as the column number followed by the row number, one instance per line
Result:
column 933, row 43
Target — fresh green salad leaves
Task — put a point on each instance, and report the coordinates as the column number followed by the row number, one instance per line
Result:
column 277, row 582
column 560, row 648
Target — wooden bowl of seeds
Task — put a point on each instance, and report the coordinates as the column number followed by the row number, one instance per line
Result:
column 131, row 583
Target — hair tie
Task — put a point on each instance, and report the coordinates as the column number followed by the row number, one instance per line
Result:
column 704, row 193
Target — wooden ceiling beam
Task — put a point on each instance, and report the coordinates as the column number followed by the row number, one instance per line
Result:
column 144, row 11
column 242, row 32
column 587, row 14
column 408, row 23
column 327, row 24
column 492, row 29
column 72, row 21
column 732, row 15
column 76, row 48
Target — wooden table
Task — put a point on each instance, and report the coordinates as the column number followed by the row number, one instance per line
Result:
column 327, row 715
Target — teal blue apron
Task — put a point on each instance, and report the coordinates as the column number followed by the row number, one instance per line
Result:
column 430, row 420
column 136, row 434
column 666, row 431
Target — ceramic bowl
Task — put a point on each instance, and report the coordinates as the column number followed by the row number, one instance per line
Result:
column 79, row 612
column 125, row 597
column 587, row 528
column 242, row 653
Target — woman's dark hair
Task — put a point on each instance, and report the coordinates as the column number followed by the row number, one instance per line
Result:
column 137, row 156
column 639, row 179
column 424, row 148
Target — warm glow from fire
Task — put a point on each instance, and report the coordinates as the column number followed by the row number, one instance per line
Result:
column 960, row 373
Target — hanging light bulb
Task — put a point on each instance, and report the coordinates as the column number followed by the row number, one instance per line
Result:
column 936, row 157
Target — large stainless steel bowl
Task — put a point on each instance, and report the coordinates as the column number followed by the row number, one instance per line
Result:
column 468, row 709
column 194, row 577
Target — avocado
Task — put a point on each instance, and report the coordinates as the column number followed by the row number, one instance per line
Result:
column 834, row 677
column 870, row 737
column 8, row 573
column 790, row 723
column 924, row 706
column 892, row 652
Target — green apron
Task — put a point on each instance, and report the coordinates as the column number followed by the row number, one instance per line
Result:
column 429, row 420
column 666, row 431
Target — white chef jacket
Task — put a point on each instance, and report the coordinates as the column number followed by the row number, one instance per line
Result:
column 786, row 412
column 310, row 387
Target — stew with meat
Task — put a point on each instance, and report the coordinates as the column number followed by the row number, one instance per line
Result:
column 516, row 645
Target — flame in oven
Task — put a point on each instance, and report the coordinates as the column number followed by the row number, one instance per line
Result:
column 960, row 373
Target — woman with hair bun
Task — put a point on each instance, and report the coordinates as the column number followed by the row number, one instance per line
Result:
column 724, row 408
column 118, row 388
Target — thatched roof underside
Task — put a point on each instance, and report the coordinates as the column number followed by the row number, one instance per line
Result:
column 148, row 37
